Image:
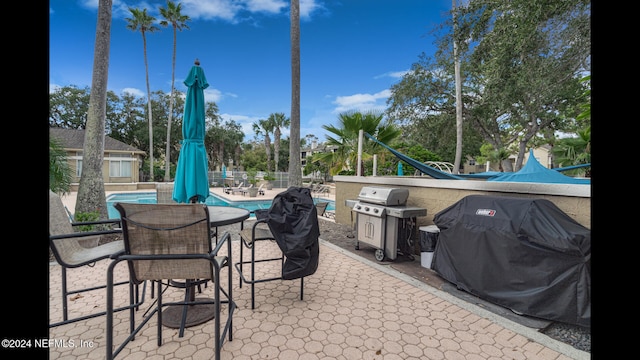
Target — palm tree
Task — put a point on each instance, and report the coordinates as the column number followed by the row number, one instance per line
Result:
column 91, row 196
column 172, row 15
column 574, row 151
column 143, row 22
column 295, row 172
column 60, row 173
column 346, row 139
column 278, row 120
column 264, row 128
column 500, row 156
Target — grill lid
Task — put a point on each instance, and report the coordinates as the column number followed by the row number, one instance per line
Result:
column 383, row 195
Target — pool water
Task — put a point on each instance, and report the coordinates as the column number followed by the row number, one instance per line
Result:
column 150, row 198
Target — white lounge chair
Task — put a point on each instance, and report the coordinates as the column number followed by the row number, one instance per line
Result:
column 237, row 189
column 245, row 190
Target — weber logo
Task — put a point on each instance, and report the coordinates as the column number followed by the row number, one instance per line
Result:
column 485, row 212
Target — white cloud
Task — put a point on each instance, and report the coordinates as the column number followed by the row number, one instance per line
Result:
column 90, row 4
column 307, row 7
column 135, row 92
column 227, row 10
column 212, row 95
column 245, row 122
column 208, row 9
column 268, row 6
column 230, row 9
column 362, row 102
column 392, row 74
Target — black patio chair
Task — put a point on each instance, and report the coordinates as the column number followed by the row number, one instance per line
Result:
column 321, row 207
column 298, row 240
column 169, row 242
column 75, row 249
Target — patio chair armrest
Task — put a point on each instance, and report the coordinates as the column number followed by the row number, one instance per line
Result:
column 123, row 256
column 256, row 224
column 224, row 238
column 97, row 222
column 260, row 221
column 117, row 254
column 261, row 233
column 85, row 234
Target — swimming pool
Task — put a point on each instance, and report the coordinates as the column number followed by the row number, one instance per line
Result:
column 150, row 198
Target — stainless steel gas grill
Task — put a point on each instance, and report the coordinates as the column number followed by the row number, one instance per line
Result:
column 384, row 222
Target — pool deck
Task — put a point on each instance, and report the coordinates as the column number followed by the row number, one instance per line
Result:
column 268, row 195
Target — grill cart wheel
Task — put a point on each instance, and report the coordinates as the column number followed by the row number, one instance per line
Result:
column 379, row 254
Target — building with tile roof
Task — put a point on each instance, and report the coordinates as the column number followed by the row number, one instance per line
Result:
column 122, row 162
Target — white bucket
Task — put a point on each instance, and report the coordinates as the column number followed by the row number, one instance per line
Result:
column 426, row 258
column 429, row 232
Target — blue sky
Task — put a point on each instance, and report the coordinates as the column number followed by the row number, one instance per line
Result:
column 351, row 53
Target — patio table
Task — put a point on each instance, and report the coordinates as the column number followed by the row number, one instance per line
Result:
column 198, row 314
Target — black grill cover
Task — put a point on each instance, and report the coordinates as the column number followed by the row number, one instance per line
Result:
column 293, row 221
column 524, row 254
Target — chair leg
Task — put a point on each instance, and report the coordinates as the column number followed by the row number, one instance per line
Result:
column 184, row 308
column 241, row 257
column 251, row 278
column 65, row 302
column 137, row 290
column 301, row 288
column 216, row 297
column 134, row 303
column 159, row 312
column 64, row 294
column 230, row 282
column 253, row 275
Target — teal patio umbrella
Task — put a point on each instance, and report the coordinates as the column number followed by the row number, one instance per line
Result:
column 192, row 181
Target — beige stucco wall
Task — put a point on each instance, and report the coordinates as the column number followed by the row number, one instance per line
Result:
column 541, row 154
column 135, row 172
column 436, row 195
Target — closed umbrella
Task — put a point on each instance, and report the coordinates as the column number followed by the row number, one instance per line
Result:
column 192, row 180
column 400, row 171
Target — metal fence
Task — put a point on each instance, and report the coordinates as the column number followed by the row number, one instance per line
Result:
column 234, row 178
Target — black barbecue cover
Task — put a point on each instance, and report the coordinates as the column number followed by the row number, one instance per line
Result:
column 293, row 221
column 524, row 254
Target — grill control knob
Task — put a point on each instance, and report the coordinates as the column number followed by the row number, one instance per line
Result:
column 358, row 207
column 376, row 210
column 366, row 208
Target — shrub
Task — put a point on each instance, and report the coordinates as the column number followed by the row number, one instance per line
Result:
column 84, row 217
